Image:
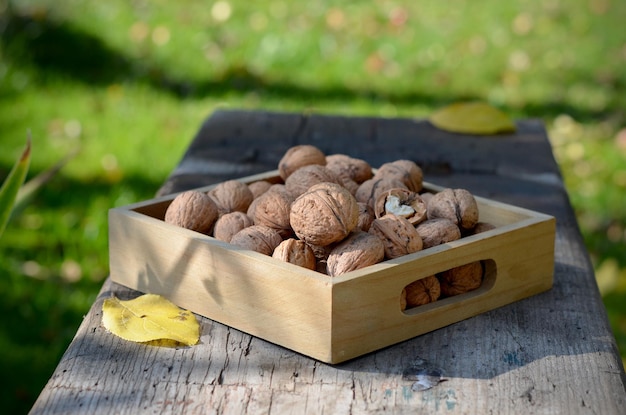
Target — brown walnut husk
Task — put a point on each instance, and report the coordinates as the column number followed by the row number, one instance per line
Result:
column 420, row 292
column 461, row 279
column 359, row 250
column 192, row 210
column 398, row 235
column 324, row 214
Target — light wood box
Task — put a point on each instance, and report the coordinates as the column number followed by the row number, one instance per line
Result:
column 329, row 319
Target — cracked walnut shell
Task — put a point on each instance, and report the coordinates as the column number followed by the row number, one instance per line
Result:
column 401, row 202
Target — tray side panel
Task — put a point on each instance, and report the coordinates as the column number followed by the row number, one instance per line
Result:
column 366, row 310
column 244, row 290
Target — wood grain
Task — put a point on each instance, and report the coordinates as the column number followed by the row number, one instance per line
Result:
column 550, row 353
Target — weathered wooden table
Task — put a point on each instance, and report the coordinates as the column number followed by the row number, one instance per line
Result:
column 551, row 353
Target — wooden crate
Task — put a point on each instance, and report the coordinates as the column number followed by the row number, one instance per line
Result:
column 329, row 319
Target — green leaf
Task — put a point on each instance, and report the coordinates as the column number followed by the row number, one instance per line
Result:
column 12, row 184
column 472, row 118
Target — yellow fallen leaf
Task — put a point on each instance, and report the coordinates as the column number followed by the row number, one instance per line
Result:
column 472, row 118
column 150, row 318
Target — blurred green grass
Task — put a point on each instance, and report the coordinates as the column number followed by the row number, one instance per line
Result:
column 130, row 82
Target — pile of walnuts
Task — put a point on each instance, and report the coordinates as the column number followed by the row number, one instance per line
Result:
column 334, row 214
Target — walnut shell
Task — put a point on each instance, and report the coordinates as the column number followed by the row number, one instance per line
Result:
column 296, row 252
column 401, row 202
column 259, row 187
column 366, row 216
column 272, row 209
column 398, row 235
column 354, row 168
column 407, row 171
column 257, row 238
column 359, row 250
column 481, row 227
column 192, row 210
column 300, row 180
column 231, row 196
column 420, row 292
column 299, row 156
column 371, row 189
column 324, row 214
column 461, row 279
column 437, row 231
column 458, row 205
column 229, row 224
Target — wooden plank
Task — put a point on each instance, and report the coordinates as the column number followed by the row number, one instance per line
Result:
column 550, row 353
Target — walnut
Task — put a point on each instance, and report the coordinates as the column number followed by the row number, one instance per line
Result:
column 458, row 205
column 272, row 209
column 257, row 238
column 230, row 196
column 481, row 227
column 398, row 235
column 420, row 292
column 324, row 214
column 359, row 250
column 401, row 202
column 259, row 187
column 437, row 231
column 296, row 252
column 366, row 216
column 461, row 279
column 192, row 210
column 300, row 180
column 426, row 196
column 299, row 156
column 229, row 224
column 371, row 189
column 407, row 171
column 252, row 207
column 345, row 166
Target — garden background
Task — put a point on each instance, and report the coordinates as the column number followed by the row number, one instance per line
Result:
column 127, row 83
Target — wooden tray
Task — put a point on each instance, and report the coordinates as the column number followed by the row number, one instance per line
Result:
column 329, row 319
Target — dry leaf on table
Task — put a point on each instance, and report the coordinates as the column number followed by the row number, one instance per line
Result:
column 472, row 118
column 150, row 318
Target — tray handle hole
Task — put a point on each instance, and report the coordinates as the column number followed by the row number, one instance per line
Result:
column 468, row 280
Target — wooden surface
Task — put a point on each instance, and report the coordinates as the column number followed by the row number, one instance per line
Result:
column 551, row 353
